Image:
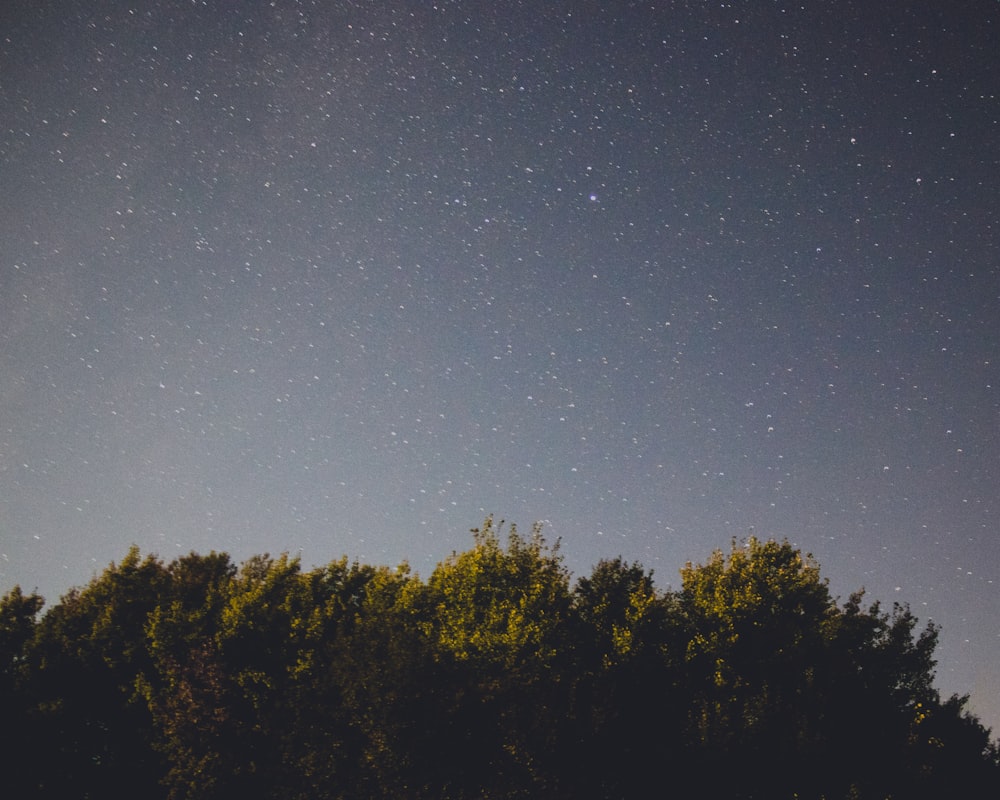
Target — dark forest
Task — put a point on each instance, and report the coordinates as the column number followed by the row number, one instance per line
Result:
column 499, row 676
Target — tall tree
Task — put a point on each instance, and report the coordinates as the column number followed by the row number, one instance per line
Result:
column 86, row 658
column 187, row 687
column 18, row 618
column 756, row 617
column 797, row 696
column 324, row 745
column 200, row 680
column 629, row 644
column 500, row 621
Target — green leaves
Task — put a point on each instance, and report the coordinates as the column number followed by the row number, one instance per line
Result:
column 757, row 580
column 617, row 602
column 201, row 679
column 499, row 606
column 18, row 613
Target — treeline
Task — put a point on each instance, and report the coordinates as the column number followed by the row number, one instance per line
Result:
column 496, row 677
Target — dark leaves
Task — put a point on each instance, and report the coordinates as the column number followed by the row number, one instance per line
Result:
column 494, row 678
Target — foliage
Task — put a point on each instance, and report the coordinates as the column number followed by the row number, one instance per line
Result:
column 757, row 617
column 78, row 681
column 494, row 678
column 501, row 608
column 18, row 618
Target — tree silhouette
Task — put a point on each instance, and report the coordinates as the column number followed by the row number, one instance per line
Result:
column 494, row 678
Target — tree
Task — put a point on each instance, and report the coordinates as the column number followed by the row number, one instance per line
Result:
column 85, row 660
column 501, row 608
column 756, row 618
column 796, row 695
column 500, row 624
column 324, row 746
column 199, row 680
column 393, row 691
column 187, row 687
column 881, row 712
column 18, row 618
column 629, row 646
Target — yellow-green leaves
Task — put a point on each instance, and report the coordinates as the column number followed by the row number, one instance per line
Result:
column 200, row 680
column 498, row 605
column 757, row 616
column 757, row 577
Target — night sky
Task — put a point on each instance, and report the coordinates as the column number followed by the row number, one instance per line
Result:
column 344, row 277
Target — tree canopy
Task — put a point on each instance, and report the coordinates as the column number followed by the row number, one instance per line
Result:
column 498, row 676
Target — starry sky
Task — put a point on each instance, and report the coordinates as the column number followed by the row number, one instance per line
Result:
column 344, row 277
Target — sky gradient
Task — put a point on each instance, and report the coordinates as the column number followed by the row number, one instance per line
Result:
column 345, row 277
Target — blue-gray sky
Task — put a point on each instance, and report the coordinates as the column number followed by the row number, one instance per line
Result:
column 344, row 277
